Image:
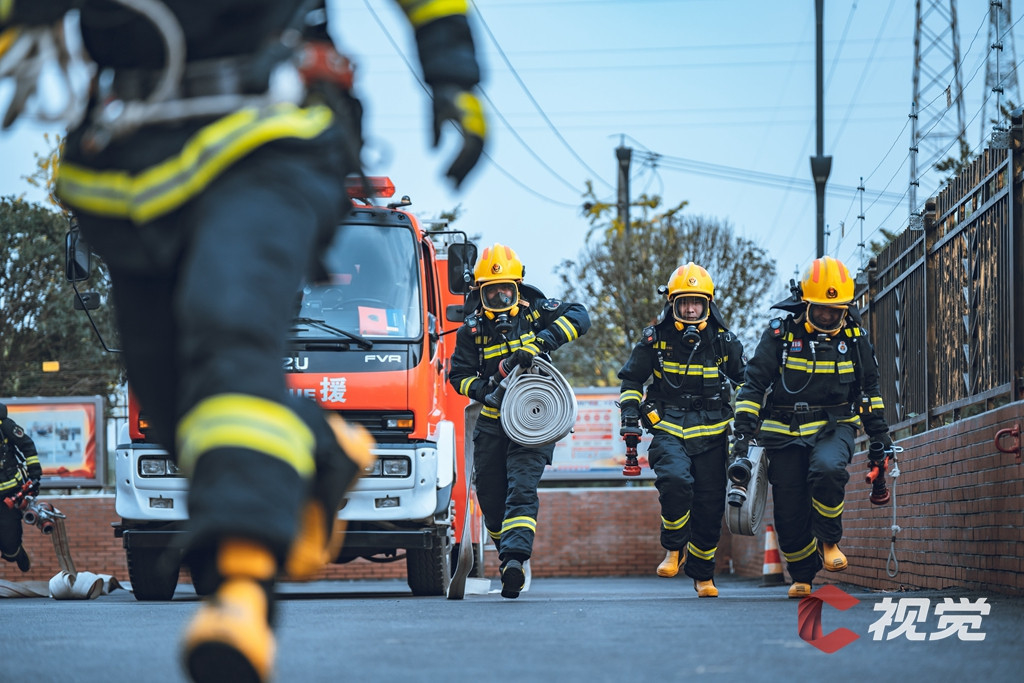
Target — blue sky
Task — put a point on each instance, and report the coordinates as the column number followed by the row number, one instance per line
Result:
column 723, row 91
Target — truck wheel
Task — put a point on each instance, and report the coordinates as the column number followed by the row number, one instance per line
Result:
column 153, row 572
column 429, row 570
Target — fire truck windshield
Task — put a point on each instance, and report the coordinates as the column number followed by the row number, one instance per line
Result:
column 373, row 285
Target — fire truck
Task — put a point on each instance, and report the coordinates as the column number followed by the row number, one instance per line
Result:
column 371, row 342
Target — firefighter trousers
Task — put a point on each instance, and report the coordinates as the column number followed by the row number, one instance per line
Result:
column 506, row 475
column 691, row 490
column 10, row 530
column 204, row 299
column 808, row 489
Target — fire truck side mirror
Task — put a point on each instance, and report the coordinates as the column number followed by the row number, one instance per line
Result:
column 461, row 259
column 455, row 313
column 77, row 259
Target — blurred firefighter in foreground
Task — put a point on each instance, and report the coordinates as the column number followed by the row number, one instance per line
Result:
column 512, row 324
column 812, row 382
column 208, row 172
column 692, row 357
column 20, row 474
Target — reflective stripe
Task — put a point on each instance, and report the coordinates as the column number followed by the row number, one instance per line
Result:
column 677, row 524
column 422, row 12
column 630, row 395
column 247, row 422
column 567, row 328
column 806, row 552
column 691, row 370
column 748, row 407
column 692, row 432
column 32, row 460
column 490, row 412
column 495, row 535
column 11, row 483
column 825, row 510
column 6, row 7
column 472, row 121
column 164, row 187
column 877, row 403
column 805, row 429
column 465, row 384
column 519, row 523
column 499, row 350
column 701, row 554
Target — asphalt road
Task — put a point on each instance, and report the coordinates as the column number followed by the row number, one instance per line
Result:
column 563, row 630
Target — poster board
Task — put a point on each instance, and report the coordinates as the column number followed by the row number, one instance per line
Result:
column 594, row 449
column 68, row 435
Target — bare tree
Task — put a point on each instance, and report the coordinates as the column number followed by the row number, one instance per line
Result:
column 617, row 275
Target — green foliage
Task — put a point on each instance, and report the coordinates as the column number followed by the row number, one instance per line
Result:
column 617, row 275
column 37, row 319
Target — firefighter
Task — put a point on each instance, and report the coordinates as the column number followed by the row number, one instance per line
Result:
column 692, row 357
column 812, row 382
column 511, row 325
column 19, row 465
column 208, row 173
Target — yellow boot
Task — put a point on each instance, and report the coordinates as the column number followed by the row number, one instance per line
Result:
column 230, row 638
column 706, row 589
column 673, row 562
column 799, row 589
column 833, row 557
column 321, row 535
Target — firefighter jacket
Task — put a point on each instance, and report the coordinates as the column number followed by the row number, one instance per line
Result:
column 17, row 455
column 799, row 381
column 232, row 47
column 690, row 388
column 541, row 324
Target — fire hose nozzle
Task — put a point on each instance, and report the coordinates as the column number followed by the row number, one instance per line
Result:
column 632, row 466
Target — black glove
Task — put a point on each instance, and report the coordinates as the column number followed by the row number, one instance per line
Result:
column 494, row 398
column 459, row 105
column 524, row 357
column 630, row 425
column 34, row 488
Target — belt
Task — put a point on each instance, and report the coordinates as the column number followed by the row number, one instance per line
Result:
column 203, row 78
column 803, row 412
column 695, row 402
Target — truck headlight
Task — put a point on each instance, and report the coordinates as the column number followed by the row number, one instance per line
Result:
column 158, row 466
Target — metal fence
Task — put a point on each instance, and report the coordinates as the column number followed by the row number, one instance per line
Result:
column 944, row 301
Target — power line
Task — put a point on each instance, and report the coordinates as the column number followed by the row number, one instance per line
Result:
column 532, row 99
column 426, row 89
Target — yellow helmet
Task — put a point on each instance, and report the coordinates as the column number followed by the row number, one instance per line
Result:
column 498, row 263
column 827, row 288
column 497, row 273
column 691, row 292
column 827, row 281
column 691, row 279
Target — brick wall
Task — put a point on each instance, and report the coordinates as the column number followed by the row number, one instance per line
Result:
column 960, row 506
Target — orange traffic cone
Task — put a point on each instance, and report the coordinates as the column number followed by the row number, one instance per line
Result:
column 771, row 573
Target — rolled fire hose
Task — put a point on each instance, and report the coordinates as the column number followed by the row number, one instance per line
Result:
column 539, row 406
column 746, row 519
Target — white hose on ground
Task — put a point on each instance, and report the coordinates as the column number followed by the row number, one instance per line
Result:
column 539, row 406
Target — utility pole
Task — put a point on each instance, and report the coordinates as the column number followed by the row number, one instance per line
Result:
column 821, row 165
column 624, row 155
column 860, row 218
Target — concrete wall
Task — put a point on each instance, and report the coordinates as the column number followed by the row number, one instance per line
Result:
column 960, row 504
